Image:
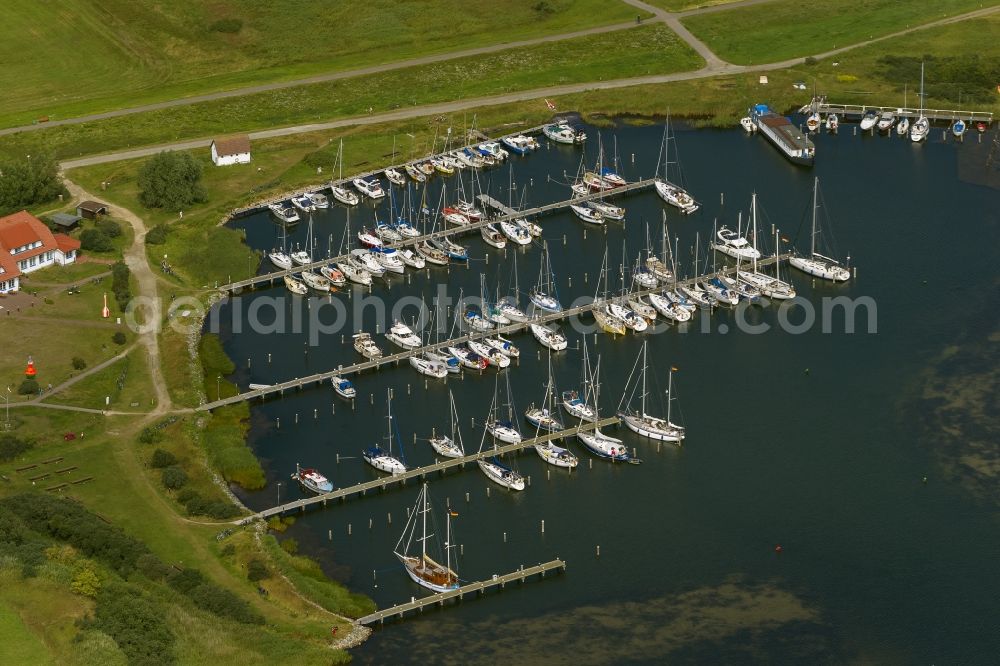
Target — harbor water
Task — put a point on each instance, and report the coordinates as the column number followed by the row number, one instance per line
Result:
column 811, row 516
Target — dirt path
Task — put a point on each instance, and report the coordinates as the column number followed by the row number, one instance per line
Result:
column 135, row 258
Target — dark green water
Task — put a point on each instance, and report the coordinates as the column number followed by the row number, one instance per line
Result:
column 876, row 565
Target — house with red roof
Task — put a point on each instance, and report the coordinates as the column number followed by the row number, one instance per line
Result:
column 27, row 245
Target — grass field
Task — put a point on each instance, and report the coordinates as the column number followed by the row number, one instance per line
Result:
column 90, row 55
column 788, row 28
column 18, row 645
column 683, row 5
column 648, row 49
column 136, row 387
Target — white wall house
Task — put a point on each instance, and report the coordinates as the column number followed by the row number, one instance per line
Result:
column 231, row 150
column 27, row 245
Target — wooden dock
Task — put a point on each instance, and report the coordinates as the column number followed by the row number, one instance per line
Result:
column 497, row 581
column 384, row 482
column 857, row 110
column 271, row 278
column 320, row 377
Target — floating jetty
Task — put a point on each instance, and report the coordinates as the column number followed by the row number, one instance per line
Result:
column 319, row 378
column 519, row 576
column 271, row 278
column 820, row 105
column 387, row 481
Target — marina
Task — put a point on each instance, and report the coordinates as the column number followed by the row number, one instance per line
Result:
column 858, row 111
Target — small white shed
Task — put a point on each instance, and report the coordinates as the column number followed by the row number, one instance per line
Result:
column 231, row 150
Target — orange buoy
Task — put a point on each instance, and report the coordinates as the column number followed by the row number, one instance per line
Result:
column 105, row 312
column 30, row 370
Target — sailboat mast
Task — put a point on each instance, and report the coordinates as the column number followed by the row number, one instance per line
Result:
column 670, row 391
column 643, row 378
column 753, row 215
column 447, row 544
column 812, row 240
column 423, row 541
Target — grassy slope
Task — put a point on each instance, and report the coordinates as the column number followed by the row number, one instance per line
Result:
column 647, row 49
column 90, row 56
column 18, row 645
column 91, row 391
column 789, row 28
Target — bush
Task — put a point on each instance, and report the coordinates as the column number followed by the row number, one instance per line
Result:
column 150, row 435
column 119, row 338
column 135, row 623
column 120, row 274
column 27, row 182
column 811, row 60
column 230, row 26
column 162, row 459
column 290, row 546
column 152, row 567
column 79, row 363
column 157, row 235
column 85, row 582
column 28, row 387
column 95, row 240
column 11, row 447
column 228, row 550
column 172, row 181
column 109, row 228
column 209, row 596
column 257, row 570
column 174, row 477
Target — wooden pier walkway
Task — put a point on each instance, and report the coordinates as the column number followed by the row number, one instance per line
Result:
column 849, row 110
column 519, row 576
column 271, row 278
column 320, row 377
column 419, row 472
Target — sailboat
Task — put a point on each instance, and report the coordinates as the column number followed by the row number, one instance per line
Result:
column 543, row 293
column 508, row 305
column 548, row 336
column 575, row 402
column 673, row 194
column 606, row 321
column 379, row 458
column 600, row 444
column 339, row 192
column 493, row 467
column 545, row 420
column 450, row 446
column 772, row 287
column 503, row 429
column 279, row 257
column 816, row 264
column 639, row 421
column 424, row 570
column 921, row 126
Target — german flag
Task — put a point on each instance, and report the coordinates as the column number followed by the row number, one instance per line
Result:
column 674, row 368
column 453, row 514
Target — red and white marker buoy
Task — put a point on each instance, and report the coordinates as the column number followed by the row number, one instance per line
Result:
column 30, row 371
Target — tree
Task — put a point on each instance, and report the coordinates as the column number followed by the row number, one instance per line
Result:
column 110, row 228
column 119, row 338
column 12, row 446
column 162, row 459
column 95, row 240
column 27, row 182
column 157, row 235
column 28, row 387
column 171, row 180
column 174, row 477
column 79, row 363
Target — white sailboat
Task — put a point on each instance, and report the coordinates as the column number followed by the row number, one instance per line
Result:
column 548, row 337
column 921, row 126
column 279, row 257
column 450, row 446
column 817, row 264
column 544, row 420
column 423, row 569
column 673, row 194
column 599, row 443
column 503, row 429
column 638, row 420
column 772, row 287
column 493, row 467
column 382, row 459
column 543, row 294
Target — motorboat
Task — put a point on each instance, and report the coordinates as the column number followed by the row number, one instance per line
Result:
column 364, row 345
column 301, row 258
column 832, row 122
column 676, row 196
column 344, row 195
column 549, row 337
column 869, row 119
column 370, row 187
column 343, row 387
column 285, row 214
column 319, row 200
column 748, row 125
column 564, row 133
column 456, row 217
column 334, row 275
column 493, row 149
column 401, row 335
column 731, row 243
column 886, row 121
column 311, row 480
column 958, row 128
column 387, row 233
column 395, row 177
column 659, row 269
column 369, row 238
column 813, row 121
column 520, row 144
column 316, row 281
column 589, row 215
column 609, row 176
column 303, row 203
column 364, row 260
column 389, row 259
column 296, row 286
column 903, row 126
column 920, row 129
